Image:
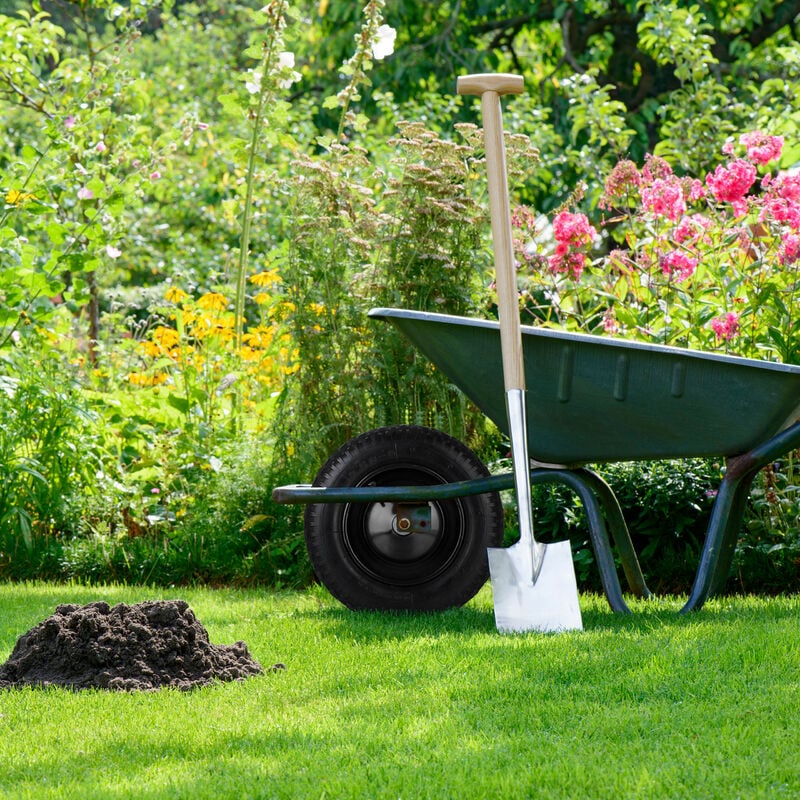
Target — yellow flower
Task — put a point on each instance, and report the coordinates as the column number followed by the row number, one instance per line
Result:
column 262, row 298
column 213, row 301
column 14, row 197
column 166, row 338
column 150, row 349
column 176, row 295
column 266, row 278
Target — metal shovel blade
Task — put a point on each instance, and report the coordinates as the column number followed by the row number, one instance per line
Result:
column 533, row 584
column 548, row 604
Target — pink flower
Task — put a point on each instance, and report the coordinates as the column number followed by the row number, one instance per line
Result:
column 85, row 193
column 570, row 263
column 695, row 190
column 761, row 149
column 726, row 327
column 692, row 227
column 573, row 235
column 573, row 229
column 155, row 175
column 654, row 168
column 731, row 184
column 678, row 265
column 113, row 252
column 664, row 197
column 100, row 147
column 782, row 201
column 790, row 249
column 610, row 323
column 624, row 178
column 69, row 122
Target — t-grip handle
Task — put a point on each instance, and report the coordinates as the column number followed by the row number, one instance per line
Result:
column 489, row 87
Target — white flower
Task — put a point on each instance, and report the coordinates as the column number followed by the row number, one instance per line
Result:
column 383, row 44
column 286, row 63
column 254, row 84
column 113, row 252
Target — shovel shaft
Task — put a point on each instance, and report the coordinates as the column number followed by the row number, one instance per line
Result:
column 515, row 402
column 490, row 87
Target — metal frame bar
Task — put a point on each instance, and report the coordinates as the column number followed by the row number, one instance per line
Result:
column 603, row 514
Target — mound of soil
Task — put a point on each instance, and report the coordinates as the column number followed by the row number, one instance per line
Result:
column 144, row 646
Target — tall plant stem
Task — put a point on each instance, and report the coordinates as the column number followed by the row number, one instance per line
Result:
column 244, row 246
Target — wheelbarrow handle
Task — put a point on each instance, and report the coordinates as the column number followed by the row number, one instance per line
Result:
column 489, row 87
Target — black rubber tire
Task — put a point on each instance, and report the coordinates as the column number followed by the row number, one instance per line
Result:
column 365, row 563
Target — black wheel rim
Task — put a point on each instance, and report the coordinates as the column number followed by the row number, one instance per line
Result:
column 389, row 556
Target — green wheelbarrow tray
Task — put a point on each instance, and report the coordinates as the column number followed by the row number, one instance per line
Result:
column 593, row 400
column 599, row 400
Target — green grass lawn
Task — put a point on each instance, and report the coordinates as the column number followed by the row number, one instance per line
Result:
column 433, row 706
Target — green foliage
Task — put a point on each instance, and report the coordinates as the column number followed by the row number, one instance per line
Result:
column 141, row 156
column 50, row 451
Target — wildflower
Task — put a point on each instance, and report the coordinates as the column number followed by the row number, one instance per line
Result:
column 14, row 197
column 165, row 337
column 573, row 229
column 694, row 189
column 155, row 175
column 69, row 122
column 726, row 327
column 678, row 265
column 570, row 263
column 100, row 147
column 266, row 278
column 254, row 84
column 610, row 323
column 664, row 197
column 175, row 295
column 213, row 301
column 113, row 252
column 573, row 234
column 655, row 168
column 731, row 184
column 523, row 217
column 286, row 63
column 84, row 193
column 262, row 298
column 790, row 249
column 761, row 148
column 691, row 227
column 622, row 180
column 383, row 43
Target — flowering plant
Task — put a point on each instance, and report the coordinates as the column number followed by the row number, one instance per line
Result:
column 708, row 263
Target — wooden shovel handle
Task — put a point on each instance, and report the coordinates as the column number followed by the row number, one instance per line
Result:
column 489, row 88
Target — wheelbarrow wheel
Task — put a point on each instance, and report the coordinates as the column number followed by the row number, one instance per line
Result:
column 358, row 550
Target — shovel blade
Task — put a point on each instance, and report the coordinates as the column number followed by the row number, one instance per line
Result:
column 548, row 604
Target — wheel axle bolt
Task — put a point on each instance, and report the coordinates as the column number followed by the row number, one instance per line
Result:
column 403, row 523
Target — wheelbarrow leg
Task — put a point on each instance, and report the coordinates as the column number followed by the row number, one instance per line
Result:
column 728, row 511
column 619, row 533
column 598, row 533
column 720, row 542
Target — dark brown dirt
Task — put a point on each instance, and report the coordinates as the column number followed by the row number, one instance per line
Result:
column 145, row 646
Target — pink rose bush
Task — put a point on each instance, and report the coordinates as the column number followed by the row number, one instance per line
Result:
column 706, row 262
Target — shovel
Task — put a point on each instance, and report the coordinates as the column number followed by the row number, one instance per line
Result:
column 533, row 584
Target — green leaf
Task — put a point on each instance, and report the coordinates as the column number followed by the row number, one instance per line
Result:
column 179, row 403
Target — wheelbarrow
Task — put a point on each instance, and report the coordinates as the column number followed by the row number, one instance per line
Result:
column 402, row 517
